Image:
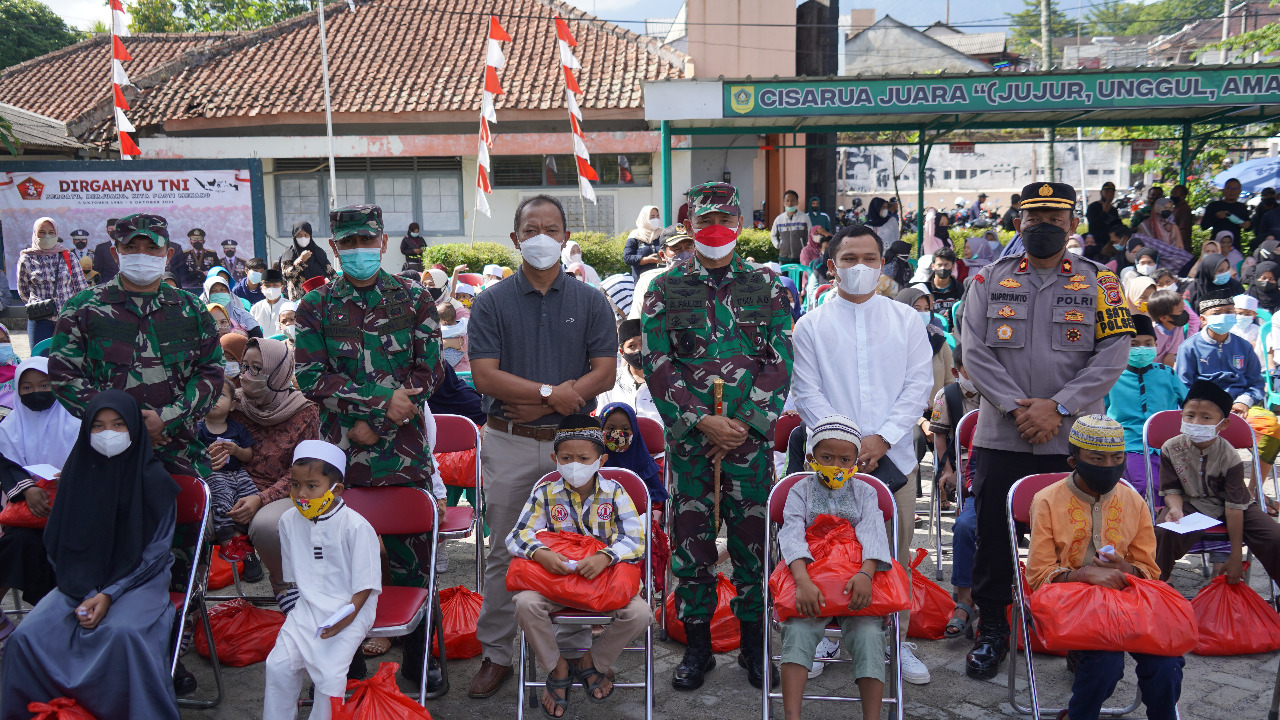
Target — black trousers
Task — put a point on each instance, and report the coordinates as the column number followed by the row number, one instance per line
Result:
column 997, row 471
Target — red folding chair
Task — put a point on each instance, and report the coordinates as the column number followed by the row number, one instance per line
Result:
column 888, row 508
column 194, row 509
column 782, row 431
column 963, row 441
column 529, row 684
column 402, row 510
column 1018, row 510
column 455, row 433
column 654, row 436
column 475, row 280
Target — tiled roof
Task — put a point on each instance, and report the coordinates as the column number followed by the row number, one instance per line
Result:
column 1207, row 32
column 974, row 43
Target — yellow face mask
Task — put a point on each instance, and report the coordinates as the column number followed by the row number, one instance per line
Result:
column 833, row 477
column 312, row 509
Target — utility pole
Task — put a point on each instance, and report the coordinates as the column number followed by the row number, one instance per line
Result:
column 1226, row 18
column 1046, row 63
column 948, row 15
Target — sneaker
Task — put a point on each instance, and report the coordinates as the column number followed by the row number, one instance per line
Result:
column 236, row 549
column 253, row 571
column 442, row 560
column 828, row 649
column 913, row 671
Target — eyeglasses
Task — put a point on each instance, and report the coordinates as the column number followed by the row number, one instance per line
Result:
column 249, row 369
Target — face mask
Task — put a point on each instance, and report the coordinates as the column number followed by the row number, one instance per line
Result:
column 1044, row 240
column 1073, row 248
column 1222, row 278
column 290, row 330
column 716, row 242
column 577, row 474
column 925, row 316
column 1146, row 269
column 1141, row 357
column 197, row 245
column 361, row 263
column 230, row 253
column 312, row 509
column 255, row 387
column 110, row 443
column 633, row 359
column 655, row 223
column 884, row 212
column 1198, row 433
column 232, row 369
column 1166, row 214
column 540, row 251
column 7, row 356
column 413, row 234
column 1118, row 246
column 1266, row 285
column 465, row 300
column 47, row 241
column 38, row 401
column 1099, row 478
column 944, row 273
column 80, row 244
column 222, row 299
column 1221, row 324
column 791, row 208
column 617, row 440
column 255, row 277
column 303, row 240
column 142, row 269
column 1180, row 319
column 859, row 279
column 966, row 385
column 832, row 477
column 271, row 293
column 681, row 257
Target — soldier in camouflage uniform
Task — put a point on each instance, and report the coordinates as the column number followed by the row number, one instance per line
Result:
column 713, row 317
column 137, row 334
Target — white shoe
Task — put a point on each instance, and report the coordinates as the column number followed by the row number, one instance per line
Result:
column 913, row 671
column 442, row 561
column 828, row 649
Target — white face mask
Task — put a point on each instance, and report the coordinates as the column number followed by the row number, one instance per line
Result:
column 141, row 268
column 46, row 241
column 233, row 369
column 966, row 385
column 304, row 241
column 1146, row 269
column 290, row 330
column 271, row 293
column 655, row 223
column 540, row 251
column 577, row 474
column 255, row 277
column 1199, row 433
column 859, row 279
column 110, row 443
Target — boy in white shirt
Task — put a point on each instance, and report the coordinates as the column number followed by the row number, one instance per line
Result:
column 267, row 310
column 331, row 553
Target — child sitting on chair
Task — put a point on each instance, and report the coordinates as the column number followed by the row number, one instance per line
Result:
column 834, row 444
column 582, row 502
column 1091, row 503
column 331, row 553
column 230, row 446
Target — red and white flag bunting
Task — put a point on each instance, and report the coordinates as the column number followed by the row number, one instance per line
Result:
column 119, row 55
column 569, row 63
column 493, row 60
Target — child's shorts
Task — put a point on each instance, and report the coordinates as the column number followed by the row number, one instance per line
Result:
column 862, row 637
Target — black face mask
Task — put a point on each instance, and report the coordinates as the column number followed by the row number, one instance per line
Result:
column 1180, row 319
column 633, row 359
column 944, row 273
column 436, row 293
column 1044, row 240
column 80, row 244
column 38, row 401
column 1266, row 285
column 1098, row 478
column 1166, row 214
column 197, row 244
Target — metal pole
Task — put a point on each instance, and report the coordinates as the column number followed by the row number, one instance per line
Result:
column 1226, row 19
column 667, row 217
column 1046, row 63
column 1184, row 158
column 1080, row 154
column 328, row 109
column 923, row 153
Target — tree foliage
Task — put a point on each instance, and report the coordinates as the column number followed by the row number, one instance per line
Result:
column 28, row 29
column 211, row 15
column 1265, row 40
column 1113, row 17
column 155, row 16
column 1169, row 16
column 1026, row 25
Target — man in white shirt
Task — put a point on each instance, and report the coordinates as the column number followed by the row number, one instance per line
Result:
column 677, row 246
column 267, row 310
column 843, row 350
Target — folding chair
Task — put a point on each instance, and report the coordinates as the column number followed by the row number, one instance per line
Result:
column 888, row 508
column 782, row 430
column 1018, row 510
column 963, row 441
column 402, row 510
column 193, row 509
column 654, row 435
column 529, row 685
column 455, row 433
column 475, row 280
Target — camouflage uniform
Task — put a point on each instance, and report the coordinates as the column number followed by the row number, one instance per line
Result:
column 697, row 330
column 161, row 348
column 354, row 347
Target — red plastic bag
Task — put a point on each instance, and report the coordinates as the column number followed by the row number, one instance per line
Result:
column 931, row 606
column 1234, row 620
column 58, row 709
column 660, row 550
column 460, row 608
column 1147, row 616
column 458, row 468
column 244, row 634
column 610, row 590
column 837, row 556
column 17, row 514
column 378, row 698
column 726, row 632
column 1037, row 643
column 220, row 571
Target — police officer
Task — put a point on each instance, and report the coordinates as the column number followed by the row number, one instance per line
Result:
column 1045, row 336
column 715, row 317
column 233, row 264
column 80, row 241
column 190, row 266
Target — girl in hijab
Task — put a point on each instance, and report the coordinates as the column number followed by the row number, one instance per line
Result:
column 1264, row 286
column 1160, row 225
column 985, row 250
column 1213, row 277
column 38, row 432
column 627, row 448
column 643, row 249
column 216, row 292
column 103, row 638
column 812, row 249
column 303, row 260
column 47, row 279
column 233, row 346
column 1145, row 263
column 8, row 379
column 1136, row 290
column 1266, row 251
column 882, row 216
column 897, row 263
column 1226, row 241
column 572, row 253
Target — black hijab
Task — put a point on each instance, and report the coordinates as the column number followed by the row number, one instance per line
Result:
column 1204, row 287
column 1268, row 300
column 873, row 213
column 108, row 509
column 896, row 263
column 319, row 260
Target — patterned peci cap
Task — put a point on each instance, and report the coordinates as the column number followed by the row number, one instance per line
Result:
column 836, row 427
column 1213, row 301
column 714, row 197
column 1097, row 432
column 145, row 224
column 580, row 427
column 365, row 220
column 1057, row 196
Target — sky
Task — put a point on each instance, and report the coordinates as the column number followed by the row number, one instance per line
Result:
column 631, row 13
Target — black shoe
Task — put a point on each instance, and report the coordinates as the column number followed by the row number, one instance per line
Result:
column 751, row 655
column 983, row 661
column 411, row 668
column 358, row 670
column 252, row 569
column 184, row 682
column 698, row 658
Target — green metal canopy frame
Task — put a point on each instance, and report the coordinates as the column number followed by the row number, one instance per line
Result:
column 1202, row 100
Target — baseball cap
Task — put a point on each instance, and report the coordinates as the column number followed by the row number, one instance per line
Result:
column 365, row 220
column 714, row 197
column 674, row 235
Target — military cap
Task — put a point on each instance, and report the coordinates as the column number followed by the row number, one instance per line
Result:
column 365, row 220
column 193, row 232
column 1056, row 196
column 1097, row 432
column 714, row 197
column 145, row 224
column 229, row 243
column 79, row 234
column 675, row 235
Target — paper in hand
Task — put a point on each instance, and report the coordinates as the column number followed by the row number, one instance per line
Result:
column 1195, row 522
column 46, row 472
column 335, row 618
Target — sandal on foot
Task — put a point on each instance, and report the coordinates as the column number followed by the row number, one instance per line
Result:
column 552, row 685
column 591, row 680
column 956, row 626
column 373, row 647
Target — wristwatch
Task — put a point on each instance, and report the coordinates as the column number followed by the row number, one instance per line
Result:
column 1063, row 411
column 545, row 392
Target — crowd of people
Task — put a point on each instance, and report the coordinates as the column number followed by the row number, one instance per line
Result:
column 282, row 384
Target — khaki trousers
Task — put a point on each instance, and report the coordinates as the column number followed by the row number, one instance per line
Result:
column 533, row 614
